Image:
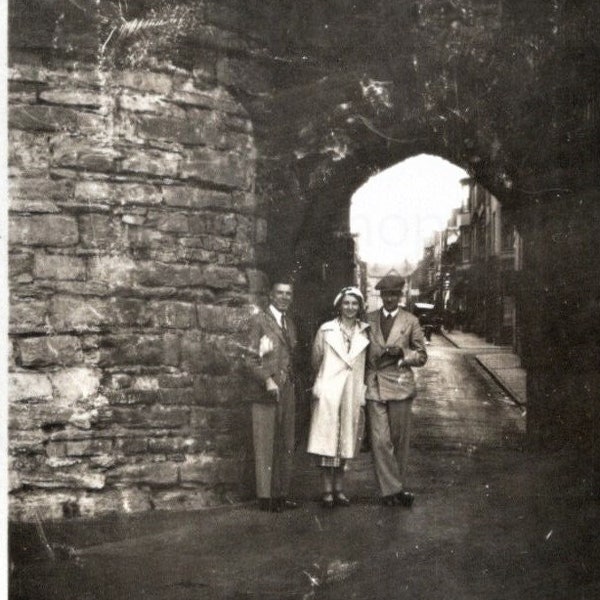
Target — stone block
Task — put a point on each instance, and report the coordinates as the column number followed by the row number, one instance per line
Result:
column 171, row 445
column 149, row 473
column 145, row 81
column 201, row 353
column 29, row 386
column 58, row 266
column 137, row 220
column 27, row 315
column 101, row 231
column 74, row 478
column 149, row 103
column 131, row 445
column 195, row 198
column 244, row 201
column 226, row 169
column 33, row 505
column 116, row 271
column 91, row 447
column 28, row 152
column 119, row 501
column 39, row 190
column 185, row 499
column 173, row 222
column 152, row 417
column 222, row 318
column 78, row 313
column 173, row 315
column 43, row 230
column 151, row 162
column 20, row 263
column 88, row 154
column 72, row 386
column 28, row 442
column 96, row 192
column 148, row 350
column 53, row 118
column 223, row 277
column 75, row 97
column 214, row 98
column 209, row 470
column 49, row 350
column 129, row 312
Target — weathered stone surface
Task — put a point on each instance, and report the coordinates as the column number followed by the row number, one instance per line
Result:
column 219, row 224
column 91, row 447
column 33, row 206
column 131, row 445
column 173, row 445
column 222, row 318
column 72, row 313
column 116, row 271
column 72, row 386
column 100, row 231
column 40, row 190
column 150, row 473
column 149, row 103
column 75, row 478
column 258, row 282
column 153, row 417
column 20, row 263
column 173, row 315
column 94, row 191
column 50, row 350
column 58, row 266
column 206, row 469
column 150, row 162
column 28, row 386
column 212, row 359
column 121, row 501
column 133, row 219
column 223, row 277
column 196, row 198
column 185, row 499
column 81, row 98
column 27, row 316
column 145, row 81
column 53, row 118
column 218, row 168
column 28, row 152
column 173, row 222
column 138, row 349
column 27, row 507
column 89, row 154
column 43, row 230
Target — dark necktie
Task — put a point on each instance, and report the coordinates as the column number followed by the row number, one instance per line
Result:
column 284, row 326
column 386, row 325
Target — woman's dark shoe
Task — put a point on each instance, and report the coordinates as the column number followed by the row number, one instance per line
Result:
column 340, row 499
column 390, row 501
column 405, row 498
column 327, row 501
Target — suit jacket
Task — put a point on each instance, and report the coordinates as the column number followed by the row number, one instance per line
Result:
column 279, row 362
column 385, row 380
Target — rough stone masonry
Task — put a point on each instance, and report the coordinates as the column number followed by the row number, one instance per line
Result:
column 132, row 233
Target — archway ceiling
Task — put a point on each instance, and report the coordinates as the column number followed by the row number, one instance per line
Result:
column 506, row 89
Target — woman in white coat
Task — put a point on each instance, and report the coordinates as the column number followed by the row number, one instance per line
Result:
column 338, row 358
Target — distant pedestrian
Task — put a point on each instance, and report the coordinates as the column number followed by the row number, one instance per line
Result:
column 397, row 345
column 273, row 343
column 338, row 357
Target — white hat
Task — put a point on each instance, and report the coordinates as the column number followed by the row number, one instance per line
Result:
column 352, row 290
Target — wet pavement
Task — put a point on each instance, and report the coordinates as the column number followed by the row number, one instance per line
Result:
column 491, row 520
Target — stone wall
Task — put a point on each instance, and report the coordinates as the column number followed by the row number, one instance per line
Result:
column 133, row 231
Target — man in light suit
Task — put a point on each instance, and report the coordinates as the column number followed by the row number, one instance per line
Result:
column 273, row 341
column 397, row 345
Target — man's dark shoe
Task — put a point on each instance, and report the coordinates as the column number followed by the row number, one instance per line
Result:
column 390, row 500
column 405, row 498
column 270, row 504
column 287, row 504
column 340, row 499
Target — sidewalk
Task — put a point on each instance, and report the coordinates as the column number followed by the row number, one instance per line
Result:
column 499, row 361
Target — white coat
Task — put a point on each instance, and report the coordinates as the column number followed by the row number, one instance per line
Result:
column 338, row 391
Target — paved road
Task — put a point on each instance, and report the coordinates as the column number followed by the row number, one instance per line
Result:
column 491, row 521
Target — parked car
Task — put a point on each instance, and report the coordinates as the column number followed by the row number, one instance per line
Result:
column 429, row 318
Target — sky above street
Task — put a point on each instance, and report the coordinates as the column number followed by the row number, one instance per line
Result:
column 397, row 210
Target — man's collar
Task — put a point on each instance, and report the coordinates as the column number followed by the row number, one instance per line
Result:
column 393, row 313
column 276, row 313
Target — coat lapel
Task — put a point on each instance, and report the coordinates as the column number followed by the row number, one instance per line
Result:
column 397, row 330
column 274, row 326
column 335, row 339
column 376, row 328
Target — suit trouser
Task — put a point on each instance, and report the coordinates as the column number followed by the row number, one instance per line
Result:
column 389, row 426
column 273, row 433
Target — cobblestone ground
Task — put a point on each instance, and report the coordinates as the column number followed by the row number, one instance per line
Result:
column 491, row 520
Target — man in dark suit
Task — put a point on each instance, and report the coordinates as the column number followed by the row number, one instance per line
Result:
column 273, row 341
column 397, row 345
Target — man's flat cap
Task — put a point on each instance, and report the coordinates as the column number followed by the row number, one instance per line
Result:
column 390, row 283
